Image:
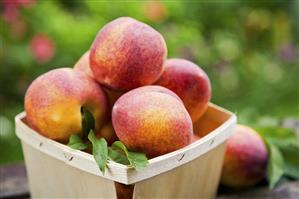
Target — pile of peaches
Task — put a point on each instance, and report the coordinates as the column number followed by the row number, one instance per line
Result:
column 136, row 97
column 135, row 94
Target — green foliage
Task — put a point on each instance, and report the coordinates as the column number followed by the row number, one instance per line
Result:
column 118, row 156
column 76, row 142
column 99, row 150
column 87, row 121
column 283, row 149
column 291, row 157
column 275, row 167
column 136, row 160
column 118, row 152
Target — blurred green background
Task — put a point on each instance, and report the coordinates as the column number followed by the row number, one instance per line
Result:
column 249, row 49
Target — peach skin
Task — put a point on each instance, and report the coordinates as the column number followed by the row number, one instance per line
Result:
column 190, row 83
column 127, row 54
column 152, row 122
column 54, row 100
column 82, row 65
column 245, row 159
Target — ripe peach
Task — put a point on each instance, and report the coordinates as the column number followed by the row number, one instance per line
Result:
column 127, row 54
column 245, row 159
column 155, row 88
column 108, row 133
column 82, row 65
column 151, row 121
column 190, row 83
column 195, row 137
column 54, row 100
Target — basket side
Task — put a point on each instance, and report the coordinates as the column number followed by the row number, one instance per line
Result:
column 121, row 173
column 226, row 122
column 66, row 155
column 196, row 179
column 50, row 178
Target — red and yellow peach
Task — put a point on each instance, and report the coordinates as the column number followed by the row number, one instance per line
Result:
column 127, row 54
column 54, row 100
column 151, row 121
column 82, row 65
column 190, row 83
column 245, row 159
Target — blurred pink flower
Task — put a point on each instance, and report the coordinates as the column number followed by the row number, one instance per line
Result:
column 11, row 8
column 42, row 48
column 11, row 14
column 16, row 3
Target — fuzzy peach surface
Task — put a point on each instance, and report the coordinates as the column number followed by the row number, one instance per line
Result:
column 151, row 122
column 53, row 103
column 190, row 83
column 155, row 88
column 245, row 160
column 83, row 65
column 127, row 54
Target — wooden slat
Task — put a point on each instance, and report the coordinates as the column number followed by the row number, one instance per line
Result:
column 49, row 178
column 123, row 174
column 13, row 184
column 196, row 179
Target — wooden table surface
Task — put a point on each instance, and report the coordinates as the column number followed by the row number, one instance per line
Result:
column 13, row 184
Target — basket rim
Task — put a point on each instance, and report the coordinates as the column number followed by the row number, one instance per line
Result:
column 122, row 173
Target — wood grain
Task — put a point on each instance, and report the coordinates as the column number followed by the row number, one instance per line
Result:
column 13, row 184
column 49, row 178
column 196, row 179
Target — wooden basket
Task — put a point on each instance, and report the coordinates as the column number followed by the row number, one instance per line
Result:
column 56, row 170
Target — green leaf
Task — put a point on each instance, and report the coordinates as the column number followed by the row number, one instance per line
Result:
column 137, row 160
column 285, row 140
column 275, row 168
column 99, row 150
column 88, row 122
column 118, row 156
column 278, row 136
column 291, row 156
column 76, row 142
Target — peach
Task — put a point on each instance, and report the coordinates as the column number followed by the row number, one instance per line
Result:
column 195, row 137
column 155, row 88
column 190, row 83
column 54, row 100
column 82, row 65
column 108, row 133
column 151, row 121
column 245, row 159
column 127, row 54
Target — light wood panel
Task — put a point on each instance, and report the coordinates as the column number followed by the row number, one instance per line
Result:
column 196, row 179
column 49, row 178
column 55, row 170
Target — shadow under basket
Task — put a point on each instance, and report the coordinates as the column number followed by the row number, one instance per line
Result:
column 56, row 170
